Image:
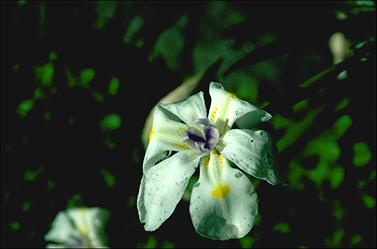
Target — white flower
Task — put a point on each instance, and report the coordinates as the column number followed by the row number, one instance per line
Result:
column 78, row 228
column 223, row 201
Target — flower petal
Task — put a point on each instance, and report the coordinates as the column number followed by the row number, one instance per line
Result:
column 226, row 108
column 189, row 110
column 162, row 187
column 251, row 151
column 223, row 202
column 90, row 222
column 165, row 135
column 62, row 229
column 253, row 118
column 55, row 246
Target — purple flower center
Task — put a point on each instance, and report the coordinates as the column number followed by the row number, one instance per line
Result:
column 203, row 137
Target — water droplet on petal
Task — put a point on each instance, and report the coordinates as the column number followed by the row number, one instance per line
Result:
column 268, row 159
column 239, row 112
column 238, row 175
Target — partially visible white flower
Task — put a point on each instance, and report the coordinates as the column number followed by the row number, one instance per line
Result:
column 79, row 228
column 340, row 49
column 223, row 203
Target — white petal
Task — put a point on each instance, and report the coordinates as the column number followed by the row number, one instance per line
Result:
column 55, row 246
column 162, row 188
column 90, row 223
column 62, row 230
column 253, row 118
column 165, row 135
column 251, row 151
column 223, row 202
column 190, row 109
column 226, row 108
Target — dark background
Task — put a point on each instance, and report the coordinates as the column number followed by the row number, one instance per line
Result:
column 68, row 140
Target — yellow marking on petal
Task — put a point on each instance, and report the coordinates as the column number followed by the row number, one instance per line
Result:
column 221, row 158
column 84, row 228
column 214, row 113
column 182, row 146
column 205, row 161
column 220, row 191
column 81, row 224
column 231, row 95
column 181, row 129
column 151, row 134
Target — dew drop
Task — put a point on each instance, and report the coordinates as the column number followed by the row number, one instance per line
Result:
column 239, row 112
column 268, row 159
column 238, row 175
column 196, row 184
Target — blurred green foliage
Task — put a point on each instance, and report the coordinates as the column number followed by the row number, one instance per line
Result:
column 111, row 122
column 68, row 145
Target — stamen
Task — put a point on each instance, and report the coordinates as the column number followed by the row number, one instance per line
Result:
column 203, row 137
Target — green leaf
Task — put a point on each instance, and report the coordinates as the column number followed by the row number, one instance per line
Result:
column 108, row 177
column 170, row 44
column 45, row 74
column 105, row 12
column 361, row 154
column 134, row 27
column 369, row 201
column 111, row 122
column 25, row 107
column 113, row 86
column 86, row 76
column 282, row 227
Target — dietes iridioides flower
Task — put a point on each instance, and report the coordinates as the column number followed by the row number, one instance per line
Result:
column 79, row 228
column 223, row 203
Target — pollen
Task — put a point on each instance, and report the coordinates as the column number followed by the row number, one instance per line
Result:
column 220, row 191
